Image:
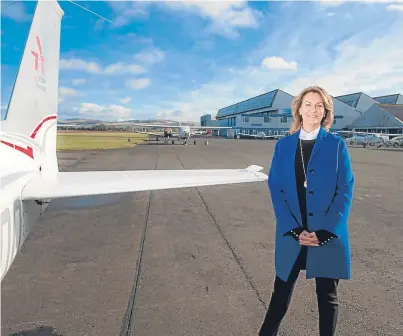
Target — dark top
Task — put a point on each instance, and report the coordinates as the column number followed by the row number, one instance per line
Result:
column 323, row 235
column 307, row 146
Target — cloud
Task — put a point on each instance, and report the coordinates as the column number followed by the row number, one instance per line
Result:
column 225, row 16
column 126, row 100
column 128, row 11
column 122, row 68
column 395, row 8
column 151, row 56
column 111, row 111
column 138, row 84
column 278, row 63
column 65, row 92
column 78, row 81
column 16, row 12
column 353, row 70
column 332, row 3
column 78, row 64
column 95, row 68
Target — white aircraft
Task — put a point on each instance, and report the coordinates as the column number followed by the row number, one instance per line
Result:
column 260, row 135
column 29, row 172
column 184, row 132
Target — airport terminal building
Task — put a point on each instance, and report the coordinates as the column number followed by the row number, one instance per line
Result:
column 271, row 113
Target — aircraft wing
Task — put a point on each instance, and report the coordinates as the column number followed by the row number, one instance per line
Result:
column 154, row 125
column 70, row 184
column 261, row 136
column 177, row 126
column 210, row 127
column 156, row 133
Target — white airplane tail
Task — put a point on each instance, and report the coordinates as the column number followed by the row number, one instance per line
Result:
column 30, row 125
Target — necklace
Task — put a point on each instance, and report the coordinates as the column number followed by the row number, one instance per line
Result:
column 303, row 163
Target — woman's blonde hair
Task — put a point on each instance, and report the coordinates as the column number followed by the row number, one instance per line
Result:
column 328, row 104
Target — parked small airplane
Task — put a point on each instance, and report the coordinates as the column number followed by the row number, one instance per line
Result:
column 184, row 132
column 29, row 172
column 260, row 135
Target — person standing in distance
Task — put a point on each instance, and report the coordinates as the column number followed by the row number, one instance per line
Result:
column 311, row 185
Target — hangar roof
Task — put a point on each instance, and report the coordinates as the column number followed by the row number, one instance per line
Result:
column 350, row 99
column 396, row 110
column 381, row 115
column 360, row 101
column 390, row 99
column 258, row 102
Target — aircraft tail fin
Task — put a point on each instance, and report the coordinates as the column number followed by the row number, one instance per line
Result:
column 32, row 111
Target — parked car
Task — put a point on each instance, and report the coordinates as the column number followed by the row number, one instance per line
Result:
column 365, row 140
column 395, row 142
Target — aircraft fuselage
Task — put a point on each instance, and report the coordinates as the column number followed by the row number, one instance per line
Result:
column 17, row 217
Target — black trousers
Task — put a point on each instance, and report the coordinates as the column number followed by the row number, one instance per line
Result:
column 326, row 293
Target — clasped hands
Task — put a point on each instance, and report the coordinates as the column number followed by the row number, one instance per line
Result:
column 308, row 239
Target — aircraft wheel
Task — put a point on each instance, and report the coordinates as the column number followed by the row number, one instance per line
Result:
column 396, row 145
column 206, row 142
column 194, row 142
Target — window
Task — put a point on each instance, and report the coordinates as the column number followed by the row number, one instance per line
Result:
column 283, row 120
column 267, row 119
column 246, row 119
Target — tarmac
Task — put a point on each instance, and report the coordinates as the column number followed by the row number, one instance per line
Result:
column 197, row 261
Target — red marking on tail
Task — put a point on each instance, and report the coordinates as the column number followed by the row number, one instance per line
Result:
column 29, row 150
column 33, row 135
column 39, row 55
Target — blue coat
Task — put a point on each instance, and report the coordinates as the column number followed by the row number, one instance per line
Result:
column 331, row 180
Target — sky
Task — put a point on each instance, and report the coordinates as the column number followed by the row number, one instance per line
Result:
column 180, row 60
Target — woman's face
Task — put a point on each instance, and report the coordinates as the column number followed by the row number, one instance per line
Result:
column 312, row 109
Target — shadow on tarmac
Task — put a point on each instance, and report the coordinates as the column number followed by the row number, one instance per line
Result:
column 39, row 331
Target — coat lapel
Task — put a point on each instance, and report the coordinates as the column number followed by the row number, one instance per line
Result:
column 292, row 183
column 318, row 143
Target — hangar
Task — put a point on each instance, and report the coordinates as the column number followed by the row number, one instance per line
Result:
column 271, row 113
column 385, row 116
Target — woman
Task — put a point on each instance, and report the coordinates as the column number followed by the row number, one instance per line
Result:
column 311, row 185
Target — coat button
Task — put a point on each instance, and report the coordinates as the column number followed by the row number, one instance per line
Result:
column 311, row 170
column 310, row 192
column 310, row 214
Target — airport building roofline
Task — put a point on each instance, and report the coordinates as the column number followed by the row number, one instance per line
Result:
column 243, row 101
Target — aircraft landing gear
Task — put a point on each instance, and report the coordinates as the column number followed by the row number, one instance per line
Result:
column 194, row 142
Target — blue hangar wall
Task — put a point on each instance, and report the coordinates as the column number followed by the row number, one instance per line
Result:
column 271, row 113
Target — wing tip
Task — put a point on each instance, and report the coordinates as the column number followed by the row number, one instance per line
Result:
column 254, row 168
